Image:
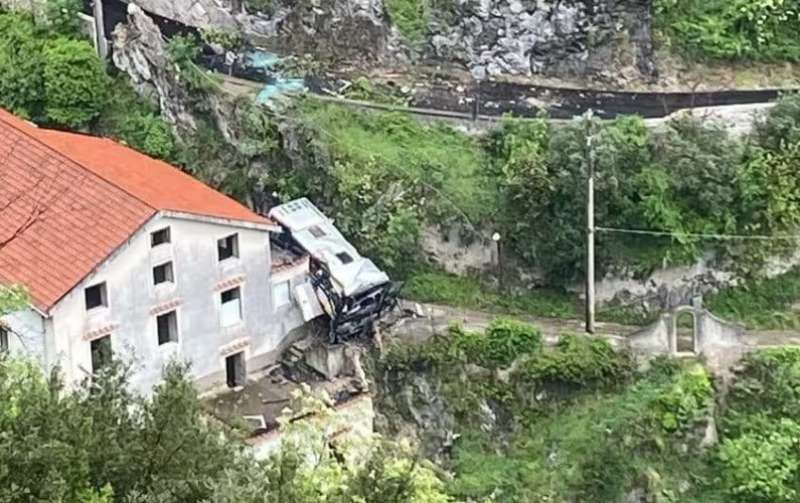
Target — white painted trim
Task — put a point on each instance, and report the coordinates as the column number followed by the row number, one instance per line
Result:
column 228, row 222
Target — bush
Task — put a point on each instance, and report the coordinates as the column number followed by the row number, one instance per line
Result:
column 767, row 389
column 501, row 344
column 21, row 67
column 53, row 80
column 61, row 16
column 763, row 466
column 781, row 126
column 75, row 83
column 577, row 361
column 685, row 400
column 733, row 29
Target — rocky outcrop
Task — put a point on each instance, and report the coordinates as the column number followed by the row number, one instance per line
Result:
column 141, row 52
column 331, row 30
column 610, row 39
column 559, row 38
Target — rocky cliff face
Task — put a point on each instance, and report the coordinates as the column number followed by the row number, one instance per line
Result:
column 141, row 52
column 571, row 38
column 549, row 37
column 333, row 30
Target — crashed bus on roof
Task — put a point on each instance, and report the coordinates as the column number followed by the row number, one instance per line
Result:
column 352, row 290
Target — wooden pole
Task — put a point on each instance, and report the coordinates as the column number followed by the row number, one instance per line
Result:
column 590, row 229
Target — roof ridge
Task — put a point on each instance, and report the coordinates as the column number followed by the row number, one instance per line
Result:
column 71, row 159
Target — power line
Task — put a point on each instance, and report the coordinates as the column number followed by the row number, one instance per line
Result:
column 720, row 237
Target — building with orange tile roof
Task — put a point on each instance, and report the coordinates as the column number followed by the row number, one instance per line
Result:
column 123, row 253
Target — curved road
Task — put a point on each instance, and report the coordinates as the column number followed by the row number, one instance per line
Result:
column 495, row 99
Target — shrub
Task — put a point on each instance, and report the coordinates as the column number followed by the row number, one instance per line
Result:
column 685, row 400
column 75, row 83
column 56, row 80
column 577, row 361
column 767, row 389
column 781, row 126
column 733, row 29
column 763, row 466
column 21, row 64
column 61, row 16
column 503, row 341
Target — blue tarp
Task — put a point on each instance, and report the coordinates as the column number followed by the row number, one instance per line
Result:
column 266, row 61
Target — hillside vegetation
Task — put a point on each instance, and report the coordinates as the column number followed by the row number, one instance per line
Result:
column 578, row 422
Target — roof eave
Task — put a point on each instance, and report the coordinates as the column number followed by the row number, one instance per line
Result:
column 232, row 222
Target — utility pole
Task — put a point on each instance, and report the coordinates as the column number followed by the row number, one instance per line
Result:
column 590, row 166
column 100, row 40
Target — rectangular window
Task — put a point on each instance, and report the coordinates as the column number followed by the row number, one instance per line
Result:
column 228, row 247
column 281, row 294
column 231, row 306
column 3, row 340
column 344, row 257
column 96, row 296
column 235, row 370
column 163, row 274
column 159, row 237
column 101, row 353
column 167, row 324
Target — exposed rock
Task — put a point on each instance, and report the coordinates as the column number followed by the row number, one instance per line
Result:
column 611, row 39
column 526, row 37
column 412, row 407
column 336, row 30
column 140, row 51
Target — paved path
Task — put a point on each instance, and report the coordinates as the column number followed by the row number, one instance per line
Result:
column 434, row 318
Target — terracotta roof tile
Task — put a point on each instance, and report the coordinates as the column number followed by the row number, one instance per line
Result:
column 67, row 201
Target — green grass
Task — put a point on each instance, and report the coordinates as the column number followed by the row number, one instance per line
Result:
column 764, row 304
column 450, row 163
column 473, row 293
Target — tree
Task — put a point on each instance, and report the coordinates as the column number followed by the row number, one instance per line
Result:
column 75, row 83
column 102, row 441
column 21, row 64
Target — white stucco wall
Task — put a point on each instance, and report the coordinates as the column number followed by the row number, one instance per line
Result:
column 134, row 302
column 27, row 336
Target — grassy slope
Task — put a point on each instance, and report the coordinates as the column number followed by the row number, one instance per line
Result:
column 436, row 154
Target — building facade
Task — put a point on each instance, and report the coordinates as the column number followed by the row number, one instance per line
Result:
column 126, row 257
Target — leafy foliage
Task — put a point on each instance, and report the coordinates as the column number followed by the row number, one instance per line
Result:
column 763, row 466
column 61, row 16
column 577, row 361
column 53, row 80
column 102, row 443
column 733, row 29
column 75, row 83
column 595, row 447
column 761, row 447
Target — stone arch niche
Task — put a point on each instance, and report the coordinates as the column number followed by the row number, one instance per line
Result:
column 684, row 332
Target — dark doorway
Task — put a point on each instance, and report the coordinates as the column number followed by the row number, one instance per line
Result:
column 685, row 333
column 234, row 370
